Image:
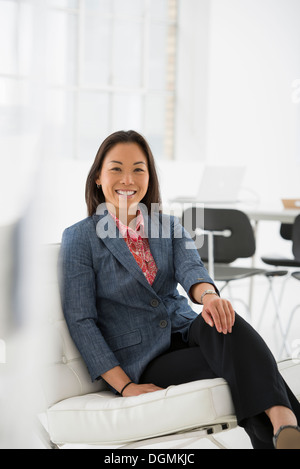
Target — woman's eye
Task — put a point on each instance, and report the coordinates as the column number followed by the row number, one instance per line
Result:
column 116, row 169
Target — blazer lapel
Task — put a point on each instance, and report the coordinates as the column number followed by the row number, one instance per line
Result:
column 108, row 232
column 158, row 248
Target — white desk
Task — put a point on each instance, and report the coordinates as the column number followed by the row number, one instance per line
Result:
column 258, row 215
column 281, row 215
column 255, row 212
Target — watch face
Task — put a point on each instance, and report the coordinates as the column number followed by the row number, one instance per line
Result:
column 207, row 292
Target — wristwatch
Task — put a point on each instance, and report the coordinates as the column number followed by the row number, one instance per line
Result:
column 207, row 292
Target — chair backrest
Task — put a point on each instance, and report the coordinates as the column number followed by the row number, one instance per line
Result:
column 239, row 244
column 296, row 238
column 286, row 231
column 62, row 371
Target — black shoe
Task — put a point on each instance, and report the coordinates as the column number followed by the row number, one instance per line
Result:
column 287, row 437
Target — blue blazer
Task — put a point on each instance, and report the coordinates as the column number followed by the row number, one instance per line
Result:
column 114, row 315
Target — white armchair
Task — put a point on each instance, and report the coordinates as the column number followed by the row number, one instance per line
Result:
column 81, row 412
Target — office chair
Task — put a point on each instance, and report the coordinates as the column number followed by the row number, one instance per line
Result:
column 79, row 412
column 222, row 236
column 225, row 236
column 290, row 232
column 295, row 275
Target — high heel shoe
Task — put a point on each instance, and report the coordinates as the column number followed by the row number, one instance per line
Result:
column 287, row 437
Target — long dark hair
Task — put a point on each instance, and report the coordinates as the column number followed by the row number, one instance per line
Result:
column 95, row 196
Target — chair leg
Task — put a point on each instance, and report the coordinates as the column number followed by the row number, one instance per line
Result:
column 44, row 436
column 261, row 316
column 196, row 434
column 271, row 292
column 232, row 299
column 282, row 290
column 278, row 319
column 223, row 286
column 288, row 329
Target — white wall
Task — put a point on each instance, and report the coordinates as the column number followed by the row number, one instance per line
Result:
column 238, row 98
column 237, row 63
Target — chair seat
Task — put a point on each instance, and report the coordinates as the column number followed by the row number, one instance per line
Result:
column 296, row 275
column 276, row 273
column 281, row 261
column 226, row 273
column 106, row 419
column 103, row 418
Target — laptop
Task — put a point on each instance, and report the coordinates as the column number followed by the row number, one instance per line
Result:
column 218, row 185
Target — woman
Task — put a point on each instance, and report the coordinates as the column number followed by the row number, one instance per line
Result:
column 120, row 270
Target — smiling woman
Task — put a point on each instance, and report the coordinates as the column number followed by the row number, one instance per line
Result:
column 125, row 160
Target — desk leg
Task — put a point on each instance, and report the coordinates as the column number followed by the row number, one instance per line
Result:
column 251, row 286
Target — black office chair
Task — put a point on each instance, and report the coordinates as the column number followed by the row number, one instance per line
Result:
column 222, row 236
column 290, row 232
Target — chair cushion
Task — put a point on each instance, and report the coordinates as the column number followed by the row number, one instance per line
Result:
column 226, row 273
column 105, row 419
column 290, row 370
column 296, row 275
column 281, row 261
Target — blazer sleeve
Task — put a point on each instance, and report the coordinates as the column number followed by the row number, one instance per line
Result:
column 78, row 294
column 188, row 266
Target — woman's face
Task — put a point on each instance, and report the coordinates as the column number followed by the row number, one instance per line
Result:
column 124, row 178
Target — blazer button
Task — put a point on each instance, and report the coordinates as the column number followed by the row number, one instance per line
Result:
column 154, row 303
column 163, row 323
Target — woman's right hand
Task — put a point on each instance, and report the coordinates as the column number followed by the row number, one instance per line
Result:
column 117, row 378
column 137, row 389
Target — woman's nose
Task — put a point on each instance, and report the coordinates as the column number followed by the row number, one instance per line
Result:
column 127, row 179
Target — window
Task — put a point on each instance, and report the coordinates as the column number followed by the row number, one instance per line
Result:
column 81, row 69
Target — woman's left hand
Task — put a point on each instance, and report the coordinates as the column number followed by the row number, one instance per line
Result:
column 218, row 312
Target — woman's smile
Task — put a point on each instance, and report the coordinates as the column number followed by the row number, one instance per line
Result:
column 127, row 194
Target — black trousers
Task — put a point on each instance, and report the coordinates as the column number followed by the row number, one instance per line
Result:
column 243, row 359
